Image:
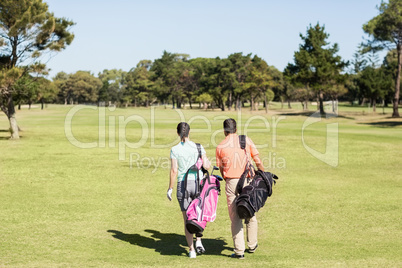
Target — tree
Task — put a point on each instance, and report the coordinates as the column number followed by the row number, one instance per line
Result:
column 373, row 84
column 27, row 31
column 165, row 76
column 288, row 87
column 257, row 82
column 82, row 87
column 239, row 69
column 113, row 81
column 316, row 64
column 276, row 85
column 198, row 73
column 386, row 32
column 205, row 99
column 390, row 63
column 218, row 81
column 25, row 90
column 64, row 95
column 47, row 91
column 138, row 84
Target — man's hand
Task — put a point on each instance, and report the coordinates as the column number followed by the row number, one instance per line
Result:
column 169, row 194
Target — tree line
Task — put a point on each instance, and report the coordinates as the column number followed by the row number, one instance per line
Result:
column 317, row 73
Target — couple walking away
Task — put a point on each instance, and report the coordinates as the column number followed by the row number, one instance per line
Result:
column 231, row 160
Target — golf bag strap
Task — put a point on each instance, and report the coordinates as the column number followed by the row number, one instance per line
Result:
column 249, row 166
column 242, row 140
column 198, row 179
column 199, row 150
column 240, row 183
column 193, row 167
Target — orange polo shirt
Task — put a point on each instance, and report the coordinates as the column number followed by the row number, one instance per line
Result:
column 232, row 158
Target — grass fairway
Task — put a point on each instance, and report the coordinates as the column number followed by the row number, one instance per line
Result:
column 65, row 206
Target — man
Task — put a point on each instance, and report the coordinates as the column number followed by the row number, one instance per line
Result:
column 232, row 160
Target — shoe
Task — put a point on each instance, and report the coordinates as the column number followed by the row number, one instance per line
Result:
column 252, row 250
column 192, row 254
column 200, row 250
column 235, row 256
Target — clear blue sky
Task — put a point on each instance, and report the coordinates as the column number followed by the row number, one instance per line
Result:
column 120, row 33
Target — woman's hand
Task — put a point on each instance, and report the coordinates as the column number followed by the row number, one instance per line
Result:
column 169, row 194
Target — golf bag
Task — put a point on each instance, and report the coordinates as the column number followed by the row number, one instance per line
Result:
column 203, row 207
column 253, row 196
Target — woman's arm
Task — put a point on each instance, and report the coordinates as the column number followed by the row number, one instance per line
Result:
column 173, row 172
column 205, row 162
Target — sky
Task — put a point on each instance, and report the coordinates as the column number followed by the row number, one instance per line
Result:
column 118, row 34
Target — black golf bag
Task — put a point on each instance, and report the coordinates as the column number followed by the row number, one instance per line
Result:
column 253, row 196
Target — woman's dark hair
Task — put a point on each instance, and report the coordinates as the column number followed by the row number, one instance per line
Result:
column 183, row 129
column 229, row 126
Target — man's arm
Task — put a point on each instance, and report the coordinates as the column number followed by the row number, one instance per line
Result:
column 258, row 162
column 254, row 154
column 221, row 170
column 219, row 161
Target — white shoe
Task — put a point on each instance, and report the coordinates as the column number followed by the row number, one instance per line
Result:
column 192, row 254
column 199, row 248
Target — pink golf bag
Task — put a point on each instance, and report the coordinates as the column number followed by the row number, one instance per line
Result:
column 203, row 207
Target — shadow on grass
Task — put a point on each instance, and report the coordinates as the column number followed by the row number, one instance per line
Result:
column 4, row 131
column 169, row 243
column 314, row 114
column 384, row 123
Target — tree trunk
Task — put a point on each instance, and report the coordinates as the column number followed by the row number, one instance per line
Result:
column 397, row 82
column 19, row 106
column 306, row 104
column 289, row 106
column 321, row 99
column 238, row 105
column 374, row 105
column 266, row 103
column 13, row 121
column 251, row 103
column 230, row 101
column 42, row 103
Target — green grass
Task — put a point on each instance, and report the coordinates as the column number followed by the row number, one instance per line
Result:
column 63, row 206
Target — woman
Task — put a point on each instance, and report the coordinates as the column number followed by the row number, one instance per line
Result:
column 183, row 156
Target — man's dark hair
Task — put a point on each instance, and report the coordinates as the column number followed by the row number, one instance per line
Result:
column 229, row 126
column 183, row 129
